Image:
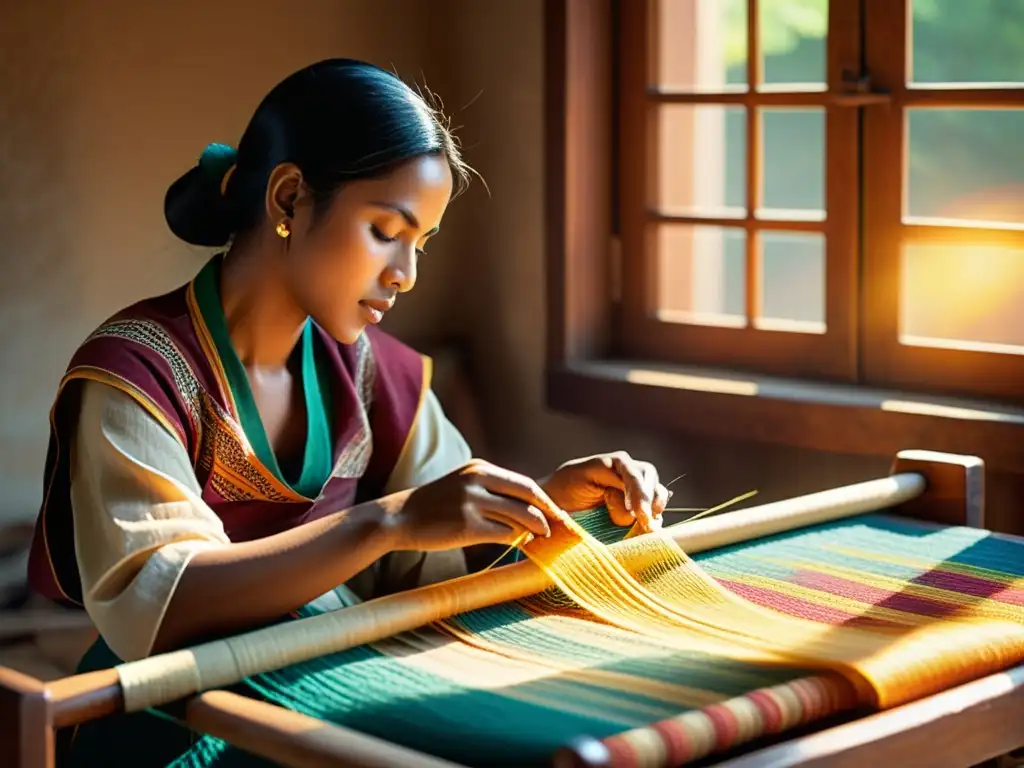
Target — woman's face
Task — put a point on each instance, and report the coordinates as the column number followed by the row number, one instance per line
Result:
column 347, row 270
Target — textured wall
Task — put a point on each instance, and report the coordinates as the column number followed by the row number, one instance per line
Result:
column 102, row 105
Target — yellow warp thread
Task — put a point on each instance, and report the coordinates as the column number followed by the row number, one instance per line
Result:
column 664, row 593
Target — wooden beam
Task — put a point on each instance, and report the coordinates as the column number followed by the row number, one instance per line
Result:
column 26, row 722
column 295, row 740
column 757, row 409
column 955, row 491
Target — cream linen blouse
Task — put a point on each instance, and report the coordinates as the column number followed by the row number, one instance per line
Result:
column 139, row 516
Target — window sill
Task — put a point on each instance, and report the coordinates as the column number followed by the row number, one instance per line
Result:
column 820, row 416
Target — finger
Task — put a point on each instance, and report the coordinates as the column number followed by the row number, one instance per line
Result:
column 510, row 511
column 615, row 502
column 513, row 485
column 651, row 486
column 638, row 496
column 486, row 531
column 661, row 496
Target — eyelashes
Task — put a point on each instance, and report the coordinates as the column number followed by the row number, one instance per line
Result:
column 379, row 235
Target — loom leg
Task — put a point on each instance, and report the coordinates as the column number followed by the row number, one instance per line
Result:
column 583, row 752
column 26, row 730
column 955, row 494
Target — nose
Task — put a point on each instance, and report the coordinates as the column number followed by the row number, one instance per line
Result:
column 400, row 273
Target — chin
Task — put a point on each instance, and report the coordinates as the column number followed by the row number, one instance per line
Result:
column 347, row 333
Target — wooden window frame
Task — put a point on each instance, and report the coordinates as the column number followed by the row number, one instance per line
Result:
column 831, row 355
column 885, row 360
column 591, row 372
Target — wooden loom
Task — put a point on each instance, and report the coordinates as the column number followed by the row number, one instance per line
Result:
column 962, row 726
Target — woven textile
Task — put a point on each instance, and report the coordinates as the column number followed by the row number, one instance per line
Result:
column 508, row 684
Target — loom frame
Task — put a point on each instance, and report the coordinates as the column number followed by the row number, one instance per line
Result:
column 964, row 725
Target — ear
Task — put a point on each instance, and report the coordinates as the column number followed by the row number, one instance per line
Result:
column 285, row 191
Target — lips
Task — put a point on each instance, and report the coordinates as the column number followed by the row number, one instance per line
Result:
column 374, row 309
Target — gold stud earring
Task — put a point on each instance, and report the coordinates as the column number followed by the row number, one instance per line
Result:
column 282, row 229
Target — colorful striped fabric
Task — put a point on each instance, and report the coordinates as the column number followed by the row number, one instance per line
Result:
column 509, row 684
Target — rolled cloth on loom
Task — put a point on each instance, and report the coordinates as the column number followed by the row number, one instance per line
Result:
column 538, row 652
column 168, row 677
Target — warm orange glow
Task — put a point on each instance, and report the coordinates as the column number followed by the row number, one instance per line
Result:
column 693, row 383
column 963, row 293
column 949, row 412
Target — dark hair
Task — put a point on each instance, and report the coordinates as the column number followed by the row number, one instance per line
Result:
column 338, row 120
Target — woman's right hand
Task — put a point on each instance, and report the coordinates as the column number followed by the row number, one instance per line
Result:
column 478, row 503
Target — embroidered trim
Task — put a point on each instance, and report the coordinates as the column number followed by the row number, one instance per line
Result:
column 222, row 450
column 355, row 456
column 152, row 336
column 226, row 455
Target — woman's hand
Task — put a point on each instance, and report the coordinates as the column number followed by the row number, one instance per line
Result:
column 476, row 504
column 630, row 489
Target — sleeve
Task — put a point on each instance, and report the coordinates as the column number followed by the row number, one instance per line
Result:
column 433, row 449
column 139, row 517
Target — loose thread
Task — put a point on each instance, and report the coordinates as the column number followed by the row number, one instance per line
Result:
column 514, row 545
column 720, row 507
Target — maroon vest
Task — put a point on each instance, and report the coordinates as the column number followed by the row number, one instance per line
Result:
column 160, row 352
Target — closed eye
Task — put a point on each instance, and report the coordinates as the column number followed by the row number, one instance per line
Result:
column 377, row 233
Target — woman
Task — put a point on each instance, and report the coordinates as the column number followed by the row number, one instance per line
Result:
column 228, row 452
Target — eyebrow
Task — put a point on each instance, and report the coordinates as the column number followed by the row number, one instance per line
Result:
column 406, row 214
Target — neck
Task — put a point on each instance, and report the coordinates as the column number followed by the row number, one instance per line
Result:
column 263, row 319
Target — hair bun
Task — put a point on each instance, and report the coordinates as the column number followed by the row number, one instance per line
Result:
column 216, row 161
column 195, row 207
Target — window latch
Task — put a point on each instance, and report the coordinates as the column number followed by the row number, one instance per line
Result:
column 857, row 90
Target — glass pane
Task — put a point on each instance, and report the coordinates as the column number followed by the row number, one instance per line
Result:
column 966, row 164
column 701, row 160
column 792, row 282
column 963, row 297
column 967, row 41
column 701, row 45
column 792, row 42
column 702, row 275
column 794, row 163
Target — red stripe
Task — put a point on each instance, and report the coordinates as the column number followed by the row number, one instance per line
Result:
column 808, row 702
column 804, row 609
column 726, row 727
column 973, row 586
column 678, row 743
column 865, row 593
column 621, row 752
column 771, row 712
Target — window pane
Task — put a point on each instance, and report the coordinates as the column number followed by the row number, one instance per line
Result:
column 792, row 282
column 701, row 45
column 967, row 41
column 792, row 42
column 794, row 163
column 701, row 275
column 966, row 164
column 701, row 160
column 963, row 297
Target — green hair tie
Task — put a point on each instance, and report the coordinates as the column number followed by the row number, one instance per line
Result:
column 218, row 163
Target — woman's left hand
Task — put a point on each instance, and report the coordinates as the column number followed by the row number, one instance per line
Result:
column 629, row 488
